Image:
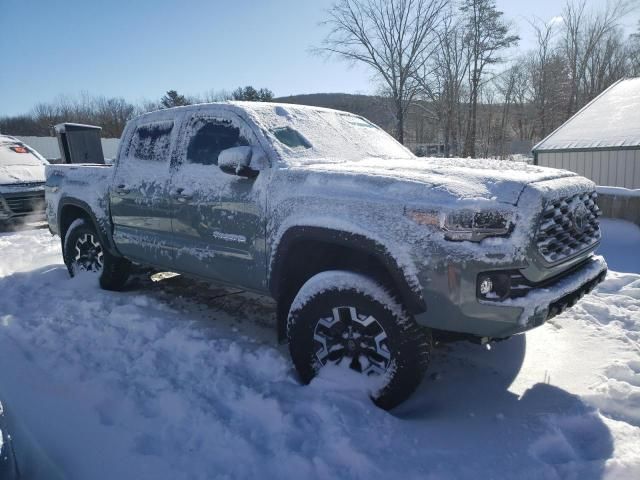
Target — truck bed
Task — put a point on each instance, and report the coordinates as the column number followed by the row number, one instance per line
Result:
column 84, row 183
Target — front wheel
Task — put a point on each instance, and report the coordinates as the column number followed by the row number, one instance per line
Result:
column 83, row 251
column 345, row 319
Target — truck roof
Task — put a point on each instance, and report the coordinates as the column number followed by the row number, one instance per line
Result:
column 244, row 106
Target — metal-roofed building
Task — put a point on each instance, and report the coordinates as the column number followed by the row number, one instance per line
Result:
column 602, row 140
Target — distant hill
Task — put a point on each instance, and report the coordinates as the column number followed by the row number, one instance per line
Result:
column 375, row 108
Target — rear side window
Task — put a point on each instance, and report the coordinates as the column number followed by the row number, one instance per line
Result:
column 210, row 138
column 152, row 141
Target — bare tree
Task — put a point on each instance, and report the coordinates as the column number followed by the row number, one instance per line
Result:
column 211, row 96
column 110, row 113
column 583, row 33
column 542, row 76
column 442, row 81
column 606, row 65
column 633, row 53
column 487, row 36
column 505, row 85
column 393, row 37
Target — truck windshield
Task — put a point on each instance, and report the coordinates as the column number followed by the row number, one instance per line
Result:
column 308, row 135
column 18, row 154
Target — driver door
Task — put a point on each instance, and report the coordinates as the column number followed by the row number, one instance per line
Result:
column 218, row 218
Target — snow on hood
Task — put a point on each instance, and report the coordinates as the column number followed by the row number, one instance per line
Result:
column 21, row 174
column 461, row 178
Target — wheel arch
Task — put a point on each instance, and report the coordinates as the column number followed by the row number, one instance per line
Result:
column 304, row 251
column 71, row 209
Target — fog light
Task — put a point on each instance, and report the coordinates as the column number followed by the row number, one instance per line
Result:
column 494, row 286
column 486, row 285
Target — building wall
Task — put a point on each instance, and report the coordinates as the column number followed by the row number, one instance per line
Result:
column 48, row 146
column 614, row 168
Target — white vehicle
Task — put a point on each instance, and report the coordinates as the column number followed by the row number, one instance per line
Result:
column 21, row 182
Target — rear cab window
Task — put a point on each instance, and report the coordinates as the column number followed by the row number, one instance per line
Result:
column 151, row 141
column 146, row 155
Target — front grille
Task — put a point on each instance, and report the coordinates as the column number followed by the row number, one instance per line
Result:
column 570, row 299
column 568, row 226
column 520, row 286
column 26, row 185
column 25, row 203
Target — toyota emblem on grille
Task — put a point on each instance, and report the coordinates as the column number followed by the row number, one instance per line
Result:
column 580, row 218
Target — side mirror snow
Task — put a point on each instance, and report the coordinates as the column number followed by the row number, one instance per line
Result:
column 243, row 161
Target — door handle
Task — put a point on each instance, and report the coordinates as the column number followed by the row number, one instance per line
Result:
column 122, row 189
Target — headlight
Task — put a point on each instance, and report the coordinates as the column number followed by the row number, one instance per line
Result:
column 469, row 225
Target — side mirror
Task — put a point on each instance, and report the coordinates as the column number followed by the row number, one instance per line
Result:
column 237, row 161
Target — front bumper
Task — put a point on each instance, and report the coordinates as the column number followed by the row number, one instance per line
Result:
column 542, row 304
column 499, row 319
column 18, row 206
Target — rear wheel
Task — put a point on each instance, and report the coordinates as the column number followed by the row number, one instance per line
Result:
column 83, row 252
column 346, row 319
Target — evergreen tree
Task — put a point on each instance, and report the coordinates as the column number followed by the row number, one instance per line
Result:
column 250, row 94
column 173, row 99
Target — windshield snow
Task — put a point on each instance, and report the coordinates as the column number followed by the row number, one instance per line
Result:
column 303, row 135
column 18, row 154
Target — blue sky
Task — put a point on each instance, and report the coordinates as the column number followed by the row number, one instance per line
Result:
column 139, row 49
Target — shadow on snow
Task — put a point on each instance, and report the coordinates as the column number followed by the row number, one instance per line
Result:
column 462, row 420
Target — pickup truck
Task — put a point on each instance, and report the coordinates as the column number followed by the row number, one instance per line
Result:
column 368, row 250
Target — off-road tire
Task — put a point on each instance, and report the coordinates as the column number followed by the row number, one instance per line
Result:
column 408, row 344
column 113, row 271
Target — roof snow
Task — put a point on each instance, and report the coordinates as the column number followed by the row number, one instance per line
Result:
column 610, row 120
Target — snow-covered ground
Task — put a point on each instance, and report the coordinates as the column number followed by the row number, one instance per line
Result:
column 170, row 380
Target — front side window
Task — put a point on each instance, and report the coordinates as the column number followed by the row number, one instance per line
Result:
column 210, row 138
column 290, row 137
column 152, row 141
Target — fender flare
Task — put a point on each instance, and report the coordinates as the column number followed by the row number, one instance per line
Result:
column 105, row 237
column 411, row 297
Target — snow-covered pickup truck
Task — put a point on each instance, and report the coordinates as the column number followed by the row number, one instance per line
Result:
column 367, row 249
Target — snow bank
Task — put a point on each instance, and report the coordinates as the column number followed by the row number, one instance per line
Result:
column 175, row 380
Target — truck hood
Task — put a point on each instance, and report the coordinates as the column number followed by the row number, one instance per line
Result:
column 10, row 174
column 501, row 181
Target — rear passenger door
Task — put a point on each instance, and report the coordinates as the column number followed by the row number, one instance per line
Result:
column 218, row 217
column 139, row 195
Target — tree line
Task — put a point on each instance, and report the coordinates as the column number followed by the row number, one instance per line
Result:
column 451, row 77
column 449, row 73
column 112, row 114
